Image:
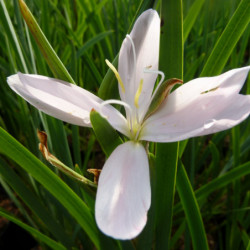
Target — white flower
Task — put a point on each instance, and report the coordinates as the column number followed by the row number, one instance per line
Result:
column 199, row 107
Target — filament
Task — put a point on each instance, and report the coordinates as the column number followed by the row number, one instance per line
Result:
column 138, row 93
column 113, row 101
column 133, row 47
column 111, row 66
column 146, row 70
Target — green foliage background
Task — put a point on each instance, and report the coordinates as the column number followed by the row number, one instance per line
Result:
column 200, row 187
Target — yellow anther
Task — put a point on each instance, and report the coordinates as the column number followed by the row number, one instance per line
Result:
column 138, row 93
column 111, row 66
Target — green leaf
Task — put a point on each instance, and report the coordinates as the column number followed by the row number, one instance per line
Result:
column 191, row 17
column 171, row 50
column 182, row 147
column 48, row 52
column 92, row 68
column 248, row 246
column 191, row 209
column 223, row 180
column 109, row 86
column 146, row 238
column 228, row 39
column 218, row 183
column 33, row 202
column 9, row 29
column 215, row 155
column 171, row 63
column 75, row 206
column 166, row 168
column 48, row 241
column 92, row 42
column 105, row 134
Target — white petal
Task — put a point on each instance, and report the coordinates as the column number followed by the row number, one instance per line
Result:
column 192, row 111
column 146, row 36
column 123, row 194
column 63, row 100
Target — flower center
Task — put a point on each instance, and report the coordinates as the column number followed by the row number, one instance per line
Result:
column 136, row 114
column 133, row 124
column 133, row 120
column 132, row 114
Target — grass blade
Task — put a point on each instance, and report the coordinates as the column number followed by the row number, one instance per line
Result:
column 34, row 203
column 191, row 17
column 92, row 42
column 227, row 41
column 76, row 207
column 48, row 241
column 223, row 180
column 167, row 154
column 11, row 34
column 105, row 134
column 109, row 87
column 48, row 52
column 191, row 209
column 219, row 182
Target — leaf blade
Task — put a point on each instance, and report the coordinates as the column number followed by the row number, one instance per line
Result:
column 228, row 39
column 48, row 241
column 191, row 209
column 171, row 48
column 48, row 52
column 76, row 207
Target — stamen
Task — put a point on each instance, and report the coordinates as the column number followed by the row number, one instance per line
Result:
column 138, row 93
column 147, row 70
column 133, row 48
column 113, row 101
column 111, row 66
column 137, row 134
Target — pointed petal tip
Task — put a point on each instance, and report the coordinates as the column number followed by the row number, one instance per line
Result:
column 200, row 107
column 136, row 54
column 11, row 79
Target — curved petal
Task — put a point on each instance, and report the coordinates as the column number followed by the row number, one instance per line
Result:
column 146, row 36
column 200, row 107
column 123, row 194
column 63, row 100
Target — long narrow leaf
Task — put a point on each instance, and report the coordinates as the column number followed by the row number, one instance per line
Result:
column 34, row 203
column 49, row 242
column 11, row 34
column 48, row 52
column 92, row 42
column 228, row 40
column 105, row 134
column 223, row 180
column 76, row 207
column 219, row 182
column 171, row 48
column 109, row 87
column 191, row 209
column 191, row 17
